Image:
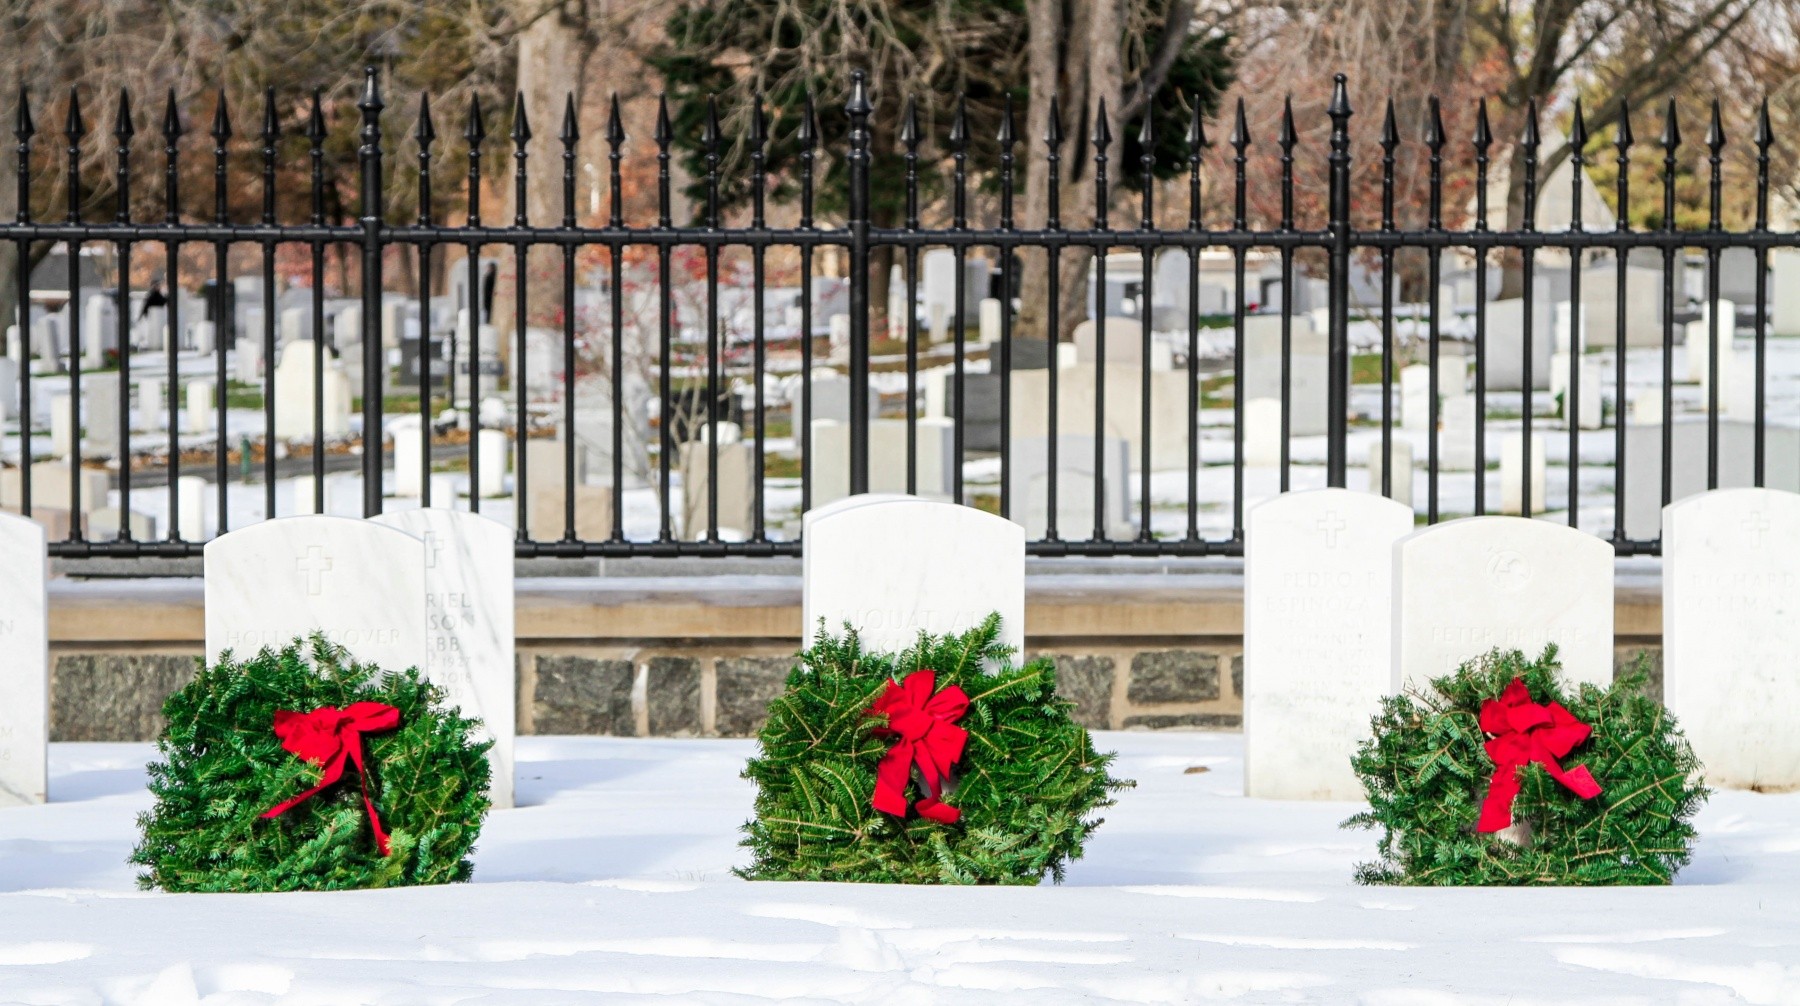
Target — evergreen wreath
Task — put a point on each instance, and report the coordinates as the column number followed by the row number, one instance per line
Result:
column 1019, row 801
column 1427, row 772
column 224, row 769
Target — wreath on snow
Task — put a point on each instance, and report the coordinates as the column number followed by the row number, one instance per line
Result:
column 301, row 769
column 942, row 764
column 1498, row 775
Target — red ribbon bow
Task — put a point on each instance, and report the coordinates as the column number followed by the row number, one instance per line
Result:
column 1525, row 732
column 329, row 736
column 926, row 735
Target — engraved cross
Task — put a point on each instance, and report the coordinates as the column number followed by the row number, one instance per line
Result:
column 314, row 565
column 1331, row 524
column 1756, row 524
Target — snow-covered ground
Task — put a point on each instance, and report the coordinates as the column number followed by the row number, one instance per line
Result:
column 611, row 882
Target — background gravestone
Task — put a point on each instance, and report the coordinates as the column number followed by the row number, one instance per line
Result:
column 1318, row 571
column 1731, row 627
column 24, row 663
column 361, row 584
column 1464, row 587
column 894, row 565
column 469, row 623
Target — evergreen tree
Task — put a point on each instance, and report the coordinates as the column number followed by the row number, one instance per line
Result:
column 223, row 766
column 1027, row 786
column 1426, row 772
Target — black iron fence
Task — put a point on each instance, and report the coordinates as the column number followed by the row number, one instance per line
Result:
column 1193, row 505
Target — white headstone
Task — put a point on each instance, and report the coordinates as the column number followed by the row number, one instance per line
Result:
column 1030, row 494
column 1731, row 624
column 935, row 444
column 1464, row 587
column 294, row 382
column 204, row 336
column 1512, row 470
column 409, row 456
column 24, row 663
column 493, row 447
column 1318, row 571
column 1400, row 487
column 152, row 403
column 736, row 490
column 1506, row 342
column 100, row 413
column 192, row 492
column 1784, row 290
column 1688, row 475
column 360, row 584
column 247, row 359
column 1309, row 374
column 104, row 523
column 1456, row 438
column 892, row 566
column 991, row 320
column 1124, row 344
column 62, row 425
column 1262, row 432
column 201, row 410
column 469, row 623
column 1697, row 332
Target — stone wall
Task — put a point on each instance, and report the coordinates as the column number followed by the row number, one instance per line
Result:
column 704, row 657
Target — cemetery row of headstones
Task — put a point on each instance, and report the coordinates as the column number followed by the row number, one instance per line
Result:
column 1344, row 603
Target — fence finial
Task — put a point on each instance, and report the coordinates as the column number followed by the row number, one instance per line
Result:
column 1196, row 131
column 24, row 128
column 1578, row 134
column 1053, row 131
column 73, row 126
column 1715, row 131
column 370, row 102
column 1671, row 134
column 1390, row 133
column 521, row 128
column 123, row 128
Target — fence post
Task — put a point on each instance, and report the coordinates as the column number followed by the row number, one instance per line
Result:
column 858, row 108
column 372, row 207
column 1338, row 398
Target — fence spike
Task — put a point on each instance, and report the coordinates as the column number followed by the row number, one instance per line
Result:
column 73, row 126
column 959, row 125
column 858, row 102
column 1340, row 96
column 1196, row 130
column 1053, row 132
column 1146, row 136
column 1623, row 138
column 1765, row 135
column 521, row 128
column 24, row 129
column 1484, row 137
column 809, row 125
column 709, row 134
column 1578, row 134
column 1390, row 134
column 1288, row 136
column 759, row 124
column 1671, row 134
column 425, row 132
column 475, row 127
column 1102, row 132
column 1715, row 131
column 1007, row 136
column 663, row 132
column 122, row 125
column 615, row 125
column 1532, row 138
column 271, row 127
column 1434, row 125
column 571, row 129
column 909, row 126
column 1240, row 129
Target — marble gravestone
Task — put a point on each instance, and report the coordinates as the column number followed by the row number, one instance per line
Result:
column 1318, row 570
column 892, row 566
column 1464, row 587
column 361, row 584
column 1731, row 558
column 24, row 663
column 469, row 622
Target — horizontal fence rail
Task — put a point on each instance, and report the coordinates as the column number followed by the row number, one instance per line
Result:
column 709, row 443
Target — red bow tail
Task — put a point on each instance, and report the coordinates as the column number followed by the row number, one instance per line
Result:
column 1526, row 732
column 329, row 737
column 926, row 735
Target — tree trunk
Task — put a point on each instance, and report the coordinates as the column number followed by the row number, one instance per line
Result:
column 553, row 50
column 1043, row 63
